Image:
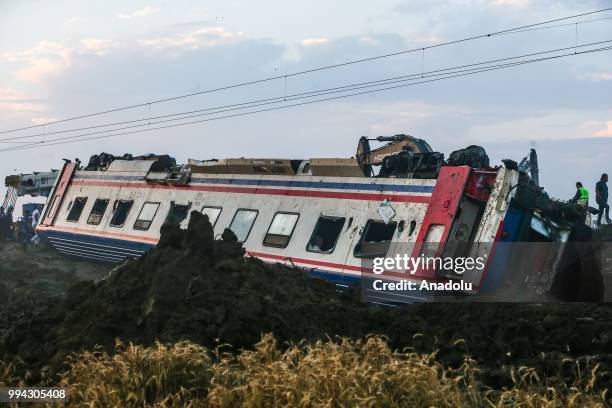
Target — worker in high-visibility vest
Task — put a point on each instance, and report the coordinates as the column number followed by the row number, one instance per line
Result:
column 582, row 195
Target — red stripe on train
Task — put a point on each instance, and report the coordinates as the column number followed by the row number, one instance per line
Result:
column 307, row 261
column 266, row 191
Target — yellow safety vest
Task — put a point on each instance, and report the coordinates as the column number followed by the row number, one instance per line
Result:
column 584, row 193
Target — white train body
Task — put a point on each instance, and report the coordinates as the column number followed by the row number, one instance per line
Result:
column 326, row 225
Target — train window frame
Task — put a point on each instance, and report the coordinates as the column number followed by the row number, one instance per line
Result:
column 139, row 228
column 315, row 232
column 218, row 214
column 173, row 205
column 288, row 237
column 252, row 223
column 79, row 209
column 116, row 207
column 53, row 207
column 91, row 213
column 357, row 250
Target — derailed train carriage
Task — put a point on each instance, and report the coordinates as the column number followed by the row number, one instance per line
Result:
column 328, row 216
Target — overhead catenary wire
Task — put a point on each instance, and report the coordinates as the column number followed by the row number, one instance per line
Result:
column 280, row 99
column 558, row 25
column 472, row 72
column 312, row 70
column 305, row 103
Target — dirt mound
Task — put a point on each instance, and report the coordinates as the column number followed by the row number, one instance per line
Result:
column 32, row 282
column 193, row 287
column 189, row 287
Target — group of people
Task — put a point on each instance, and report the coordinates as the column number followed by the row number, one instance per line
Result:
column 6, row 224
column 23, row 231
column 601, row 198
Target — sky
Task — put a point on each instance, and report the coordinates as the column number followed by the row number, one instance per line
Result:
column 67, row 58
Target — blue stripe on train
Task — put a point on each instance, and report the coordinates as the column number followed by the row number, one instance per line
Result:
column 116, row 250
column 112, row 250
column 94, row 247
column 280, row 183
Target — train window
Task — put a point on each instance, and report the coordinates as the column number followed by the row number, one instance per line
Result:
column 122, row 209
column 375, row 240
column 213, row 214
column 412, row 227
column 53, row 206
column 177, row 213
column 242, row 223
column 97, row 211
column 325, row 234
column 145, row 218
column 281, row 229
column 76, row 209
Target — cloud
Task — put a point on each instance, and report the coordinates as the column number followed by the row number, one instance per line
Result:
column 74, row 20
column 607, row 132
column 597, row 76
column 45, row 59
column 48, row 59
column 314, row 41
column 40, row 69
column 95, row 45
column 15, row 101
column 43, row 120
column 201, row 37
column 146, row 11
column 512, row 3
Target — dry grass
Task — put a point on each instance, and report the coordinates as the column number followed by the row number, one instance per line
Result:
column 342, row 373
column 136, row 376
column 335, row 374
column 9, row 376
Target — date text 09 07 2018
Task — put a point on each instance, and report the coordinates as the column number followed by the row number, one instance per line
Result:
column 38, row 394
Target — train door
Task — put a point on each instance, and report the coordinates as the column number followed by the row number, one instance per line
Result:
column 58, row 193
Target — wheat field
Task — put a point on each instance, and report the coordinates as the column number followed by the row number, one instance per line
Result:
column 332, row 373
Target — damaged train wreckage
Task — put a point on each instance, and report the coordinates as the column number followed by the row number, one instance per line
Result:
column 332, row 217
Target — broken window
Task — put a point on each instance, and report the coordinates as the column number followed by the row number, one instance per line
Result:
column 177, row 213
column 145, row 218
column 76, row 209
column 281, row 229
column 122, row 209
column 213, row 214
column 242, row 223
column 325, row 234
column 97, row 212
column 375, row 240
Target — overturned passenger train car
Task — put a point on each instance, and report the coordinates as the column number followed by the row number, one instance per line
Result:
column 328, row 216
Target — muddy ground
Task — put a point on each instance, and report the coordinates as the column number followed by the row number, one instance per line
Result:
column 193, row 287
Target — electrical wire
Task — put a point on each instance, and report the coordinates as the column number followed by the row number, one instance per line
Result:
column 308, row 71
column 472, row 72
column 284, row 98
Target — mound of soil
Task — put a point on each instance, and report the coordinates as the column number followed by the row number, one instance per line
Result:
column 32, row 281
column 190, row 286
column 193, row 287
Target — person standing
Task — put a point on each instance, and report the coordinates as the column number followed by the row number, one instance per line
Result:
column 3, row 225
column 601, row 197
column 25, row 228
column 35, row 220
column 582, row 195
column 9, row 222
